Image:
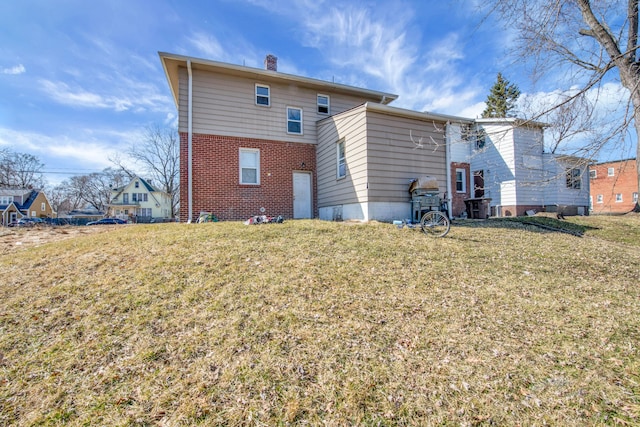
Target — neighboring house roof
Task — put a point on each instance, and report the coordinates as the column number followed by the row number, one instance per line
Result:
column 631, row 159
column 30, row 199
column 14, row 191
column 172, row 62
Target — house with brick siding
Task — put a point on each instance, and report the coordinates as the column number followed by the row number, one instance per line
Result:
column 258, row 141
column 614, row 186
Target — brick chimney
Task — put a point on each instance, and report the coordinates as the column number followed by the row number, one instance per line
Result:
column 271, row 63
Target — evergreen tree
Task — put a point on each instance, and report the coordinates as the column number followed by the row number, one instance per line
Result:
column 501, row 101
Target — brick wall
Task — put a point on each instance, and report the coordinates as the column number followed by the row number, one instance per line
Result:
column 623, row 182
column 457, row 199
column 216, row 177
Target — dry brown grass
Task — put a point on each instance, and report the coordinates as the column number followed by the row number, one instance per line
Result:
column 313, row 323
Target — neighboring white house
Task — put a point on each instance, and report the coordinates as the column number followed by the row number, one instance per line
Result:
column 510, row 174
column 139, row 201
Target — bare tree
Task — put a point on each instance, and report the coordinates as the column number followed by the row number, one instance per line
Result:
column 159, row 155
column 95, row 189
column 20, row 170
column 591, row 42
column 63, row 198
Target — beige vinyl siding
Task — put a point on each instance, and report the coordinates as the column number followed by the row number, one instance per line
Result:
column 394, row 160
column 380, row 156
column 351, row 126
column 224, row 104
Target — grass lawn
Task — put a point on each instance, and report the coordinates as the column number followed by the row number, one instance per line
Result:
column 320, row 323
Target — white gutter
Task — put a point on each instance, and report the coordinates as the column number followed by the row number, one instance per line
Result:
column 447, row 157
column 190, row 143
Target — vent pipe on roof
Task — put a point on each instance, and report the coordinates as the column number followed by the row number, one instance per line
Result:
column 271, row 63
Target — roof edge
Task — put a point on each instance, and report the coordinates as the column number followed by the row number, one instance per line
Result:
column 385, row 97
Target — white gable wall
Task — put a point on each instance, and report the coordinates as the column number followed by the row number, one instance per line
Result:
column 497, row 160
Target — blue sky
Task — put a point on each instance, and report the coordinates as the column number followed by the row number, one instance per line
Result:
column 80, row 80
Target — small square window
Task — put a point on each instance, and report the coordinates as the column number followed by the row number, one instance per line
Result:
column 611, row 171
column 341, row 160
column 323, row 104
column 294, row 120
column 249, row 166
column 618, row 197
column 593, row 174
column 599, row 198
column 634, row 196
column 263, row 97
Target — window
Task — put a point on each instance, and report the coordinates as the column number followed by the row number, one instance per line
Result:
column 262, row 95
column 593, row 174
column 634, row 196
column 618, row 197
column 143, row 212
column 249, row 166
column 5, row 200
column 341, row 161
column 137, row 184
column 574, row 180
column 294, row 120
column 480, row 139
column 611, row 172
column 323, row 104
column 461, row 181
column 43, row 206
column 139, row 197
column 599, row 198
column 125, row 198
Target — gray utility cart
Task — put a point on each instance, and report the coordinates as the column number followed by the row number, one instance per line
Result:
column 427, row 207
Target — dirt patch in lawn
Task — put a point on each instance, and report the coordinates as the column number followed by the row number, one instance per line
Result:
column 14, row 239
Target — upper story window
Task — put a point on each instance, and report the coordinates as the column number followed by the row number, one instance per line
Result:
column 634, row 196
column 599, row 198
column 341, row 160
column 5, row 200
column 43, row 206
column 480, row 139
column 294, row 120
column 324, row 106
column 611, row 171
column 137, row 184
column 618, row 197
column 574, row 179
column 249, row 166
column 593, row 174
column 263, row 95
column 461, row 181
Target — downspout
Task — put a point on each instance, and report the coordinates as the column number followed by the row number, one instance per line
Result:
column 447, row 157
column 190, row 144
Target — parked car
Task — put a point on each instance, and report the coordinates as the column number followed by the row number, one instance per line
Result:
column 104, row 221
column 25, row 222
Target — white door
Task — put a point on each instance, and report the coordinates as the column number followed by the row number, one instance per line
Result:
column 301, row 195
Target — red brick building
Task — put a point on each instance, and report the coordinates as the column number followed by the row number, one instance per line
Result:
column 614, row 187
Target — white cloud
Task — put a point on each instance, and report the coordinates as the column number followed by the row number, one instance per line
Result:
column 136, row 96
column 18, row 69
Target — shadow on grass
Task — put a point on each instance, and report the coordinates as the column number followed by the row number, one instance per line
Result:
column 539, row 224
